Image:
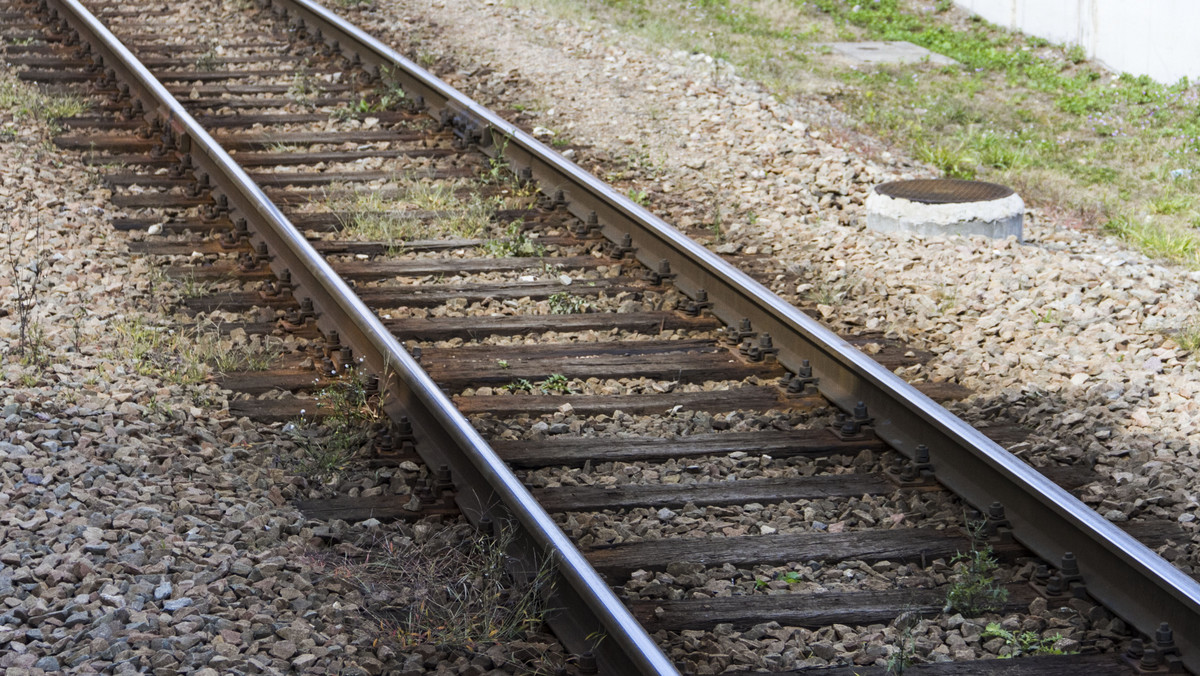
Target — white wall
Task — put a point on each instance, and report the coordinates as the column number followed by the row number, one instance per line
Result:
column 1144, row 37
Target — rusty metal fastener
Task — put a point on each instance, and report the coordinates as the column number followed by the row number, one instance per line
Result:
column 919, row 466
column 625, row 247
column 697, row 305
column 803, row 380
column 765, row 350
column 586, row 663
column 661, row 274
column 735, row 335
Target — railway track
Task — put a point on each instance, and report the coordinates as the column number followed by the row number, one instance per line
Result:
column 717, row 480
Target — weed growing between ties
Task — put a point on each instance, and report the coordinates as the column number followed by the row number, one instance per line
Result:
column 563, row 303
column 555, row 383
column 327, row 444
column 514, row 243
column 210, row 59
column 517, row 385
column 903, row 655
column 455, row 589
column 975, row 590
column 420, row 209
column 1023, row 643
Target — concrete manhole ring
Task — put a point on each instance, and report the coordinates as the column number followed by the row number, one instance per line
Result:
column 946, row 206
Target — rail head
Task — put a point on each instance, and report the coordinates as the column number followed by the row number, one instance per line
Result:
column 484, row 481
column 1126, row 575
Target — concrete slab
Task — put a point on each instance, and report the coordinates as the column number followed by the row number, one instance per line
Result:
column 885, row 52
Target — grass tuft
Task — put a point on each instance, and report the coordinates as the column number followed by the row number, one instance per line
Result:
column 514, row 243
column 327, row 445
column 457, row 593
column 407, row 216
column 975, row 590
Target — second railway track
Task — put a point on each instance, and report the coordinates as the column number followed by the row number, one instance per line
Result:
column 719, row 482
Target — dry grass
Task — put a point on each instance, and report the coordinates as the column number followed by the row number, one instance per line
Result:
column 454, row 588
column 421, row 209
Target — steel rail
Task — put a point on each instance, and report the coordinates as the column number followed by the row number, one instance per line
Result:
column 485, row 483
column 1125, row 575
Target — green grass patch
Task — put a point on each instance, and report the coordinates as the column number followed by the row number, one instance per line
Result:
column 26, row 102
column 421, row 209
column 514, row 243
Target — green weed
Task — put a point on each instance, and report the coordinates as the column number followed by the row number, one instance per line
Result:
column 327, row 447
column 954, row 159
column 901, row 658
column 563, row 303
column 1022, row 643
column 514, row 243
column 518, row 385
column 187, row 356
column 158, row 351
column 1188, row 338
column 372, row 216
column 207, row 61
column 303, row 88
column 1172, row 242
column 555, row 383
column 975, row 590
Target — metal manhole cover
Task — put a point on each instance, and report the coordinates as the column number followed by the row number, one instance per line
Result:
column 944, row 191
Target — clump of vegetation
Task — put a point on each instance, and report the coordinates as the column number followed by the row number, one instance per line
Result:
column 209, row 60
column 328, row 444
column 456, row 590
column 1022, row 643
column 26, row 261
column 25, row 102
column 514, row 243
column 225, row 356
column 555, row 383
column 188, row 355
column 303, row 88
column 159, row 351
column 903, row 655
column 518, row 385
column 1188, row 337
column 975, row 590
column 396, row 220
column 563, row 303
